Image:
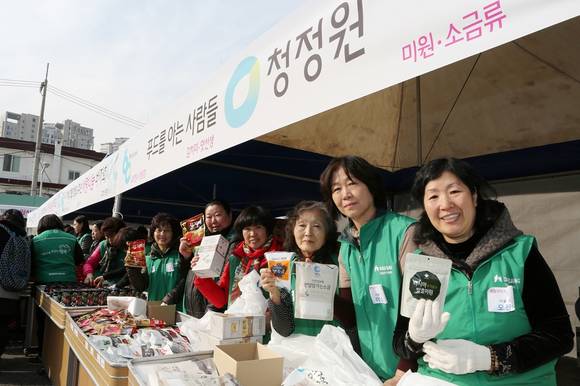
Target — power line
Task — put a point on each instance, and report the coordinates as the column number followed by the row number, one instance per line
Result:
column 94, row 110
column 92, row 106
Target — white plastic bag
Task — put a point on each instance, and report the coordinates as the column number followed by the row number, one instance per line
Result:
column 416, row 379
column 251, row 301
column 193, row 328
column 329, row 357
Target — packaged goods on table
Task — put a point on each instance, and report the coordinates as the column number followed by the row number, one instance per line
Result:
column 183, row 371
column 121, row 337
column 81, row 295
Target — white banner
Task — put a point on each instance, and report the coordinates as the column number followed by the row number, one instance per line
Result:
column 327, row 54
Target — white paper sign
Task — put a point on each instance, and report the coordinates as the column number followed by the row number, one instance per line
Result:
column 314, row 290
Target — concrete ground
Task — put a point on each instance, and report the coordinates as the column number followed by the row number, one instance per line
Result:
column 18, row 369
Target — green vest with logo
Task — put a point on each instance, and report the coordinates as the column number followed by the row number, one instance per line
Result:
column 376, row 263
column 117, row 261
column 53, row 254
column 309, row 327
column 164, row 273
column 467, row 302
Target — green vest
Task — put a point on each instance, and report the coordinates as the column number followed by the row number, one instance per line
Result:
column 82, row 237
column 466, row 301
column 377, row 262
column 117, row 261
column 309, row 327
column 164, row 273
column 53, row 254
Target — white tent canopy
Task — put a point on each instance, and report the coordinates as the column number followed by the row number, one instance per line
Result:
column 325, row 55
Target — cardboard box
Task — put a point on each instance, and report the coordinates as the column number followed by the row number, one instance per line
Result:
column 166, row 313
column 251, row 363
column 208, row 342
column 236, row 326
column 212, row 255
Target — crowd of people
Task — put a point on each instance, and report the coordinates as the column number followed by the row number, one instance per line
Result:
column 464, row 341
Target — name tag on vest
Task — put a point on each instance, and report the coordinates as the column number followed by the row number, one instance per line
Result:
column 377, row 294
column 500, row 299
column 169, row 267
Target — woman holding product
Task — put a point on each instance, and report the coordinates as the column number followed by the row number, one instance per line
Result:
column 254, row 227
column 370, row 249
column 504, row 321
column 311, row 235
column 165, row 268
column 218, row 221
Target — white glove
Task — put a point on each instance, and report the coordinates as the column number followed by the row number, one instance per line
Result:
column 427, row 321
column 457, row 356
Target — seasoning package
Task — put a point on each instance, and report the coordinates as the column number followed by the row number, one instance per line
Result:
column 279, row 264
column 135, row 254
column 425, row 277
column 194, row 229
column 314, row 290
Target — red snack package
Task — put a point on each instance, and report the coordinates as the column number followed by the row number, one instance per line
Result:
column 135, row 254
column 194, row 229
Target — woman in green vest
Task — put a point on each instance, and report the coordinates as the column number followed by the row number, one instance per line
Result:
column 105, row 266
column 55, row 253
column 254, row 226
column 504, row 321
column 165, row 268
column 83, row 233
column 311, row 235
column 369, row 257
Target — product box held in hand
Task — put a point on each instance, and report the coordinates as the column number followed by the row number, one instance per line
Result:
column 236, row 326
column 166, row 313
column 212, row 254
column 252, row 364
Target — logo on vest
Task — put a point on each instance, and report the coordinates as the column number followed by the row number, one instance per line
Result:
column 507, row 280
column 384, row 269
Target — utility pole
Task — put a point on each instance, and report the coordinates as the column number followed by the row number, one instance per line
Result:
column 43, row 87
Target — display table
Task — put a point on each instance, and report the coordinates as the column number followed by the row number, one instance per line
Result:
column 55, row 351
column 93, row 367
column 89, row 367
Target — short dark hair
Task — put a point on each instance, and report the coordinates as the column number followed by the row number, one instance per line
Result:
column 330, row 243
column 98, row 224
column 112, row 225
column 358, row 168
column 14, row 217
column 254, row 215
column 221, row 203
column 486, row 211
column 84, row 221
column 48, row 222
column 122, row 236
column 161, row 219
column 143, row 232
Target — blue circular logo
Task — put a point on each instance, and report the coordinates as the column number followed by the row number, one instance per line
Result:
column 236, row 117
column 126, row 167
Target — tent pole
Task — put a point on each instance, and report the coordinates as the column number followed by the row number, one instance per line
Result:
column 418, row 114
column 117, row 206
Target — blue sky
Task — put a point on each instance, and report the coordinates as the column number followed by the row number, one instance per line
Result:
column 133, row 57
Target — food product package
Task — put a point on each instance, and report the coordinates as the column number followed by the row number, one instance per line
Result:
column 425, row 277
column 194, row 229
